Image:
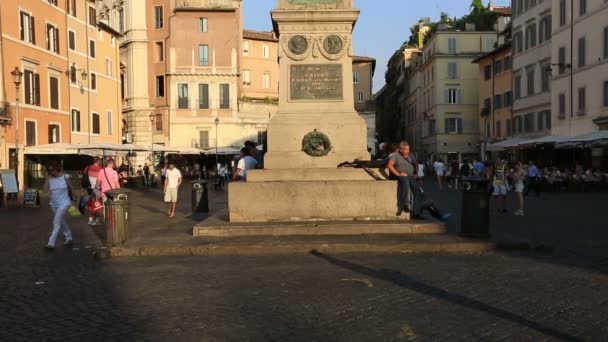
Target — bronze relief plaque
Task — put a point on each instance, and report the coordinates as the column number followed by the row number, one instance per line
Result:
column 333, row 44
column 316, row 82
column 298, row 45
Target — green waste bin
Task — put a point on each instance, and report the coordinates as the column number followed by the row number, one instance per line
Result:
column 475, row 218
column 200, row 197
column 117, row 217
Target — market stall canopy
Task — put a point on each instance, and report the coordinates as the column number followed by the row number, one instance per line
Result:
column 506, row 144
column 182, row 150
column 593, row 139
column 110, row 149
column 52, row 149
column 550, row 139
column 223, row 151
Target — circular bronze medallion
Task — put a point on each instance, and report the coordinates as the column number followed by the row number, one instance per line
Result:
column 316, row 144
column 298, row 45
column 332, row 44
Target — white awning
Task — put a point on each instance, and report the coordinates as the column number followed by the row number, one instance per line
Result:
column 593, row 139
column 506, row 144
column 51, row 149
column 223, row 151
column 550, row 139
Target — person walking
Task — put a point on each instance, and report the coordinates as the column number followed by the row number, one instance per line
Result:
column 420, row 175
column 61, row 197
column 440, row 172
column 533, row 178
column 455, row 173
column 519, row 174
column 173, row 180
column 499, row 182
column 401, row 166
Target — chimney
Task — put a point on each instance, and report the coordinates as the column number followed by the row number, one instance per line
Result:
column 469, row 27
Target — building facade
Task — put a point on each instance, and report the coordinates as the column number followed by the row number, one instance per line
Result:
column 60, row 47
column 579, row 89
column 531, row 49
column 363, row 75
column 450, row 92
column 260, row 66
column 495, row 96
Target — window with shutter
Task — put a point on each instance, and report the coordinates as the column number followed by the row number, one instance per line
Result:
column 203, row 25
column 54, row 90
column 54, row 134
column 581, row 51
column 95, row 123
column 182, row 96
column 204, row 140
column 72, row 40
column 203, row 96
column 28, row 87
column 37, row 89
column 92, row 48
column 75, row 120
column 92, row 16
column 30, row 133
column 93, row 81
column 224, row 96
column 203, row 55
column 110, row 122
column 160, row 86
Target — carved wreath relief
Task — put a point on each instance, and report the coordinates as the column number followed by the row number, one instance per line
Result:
column 316, row 144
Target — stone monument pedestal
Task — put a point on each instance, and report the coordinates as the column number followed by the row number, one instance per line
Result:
column 315, row 129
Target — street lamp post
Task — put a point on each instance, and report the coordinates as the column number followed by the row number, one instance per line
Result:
column 152, row 140
column 217, row 122
column 17, row 75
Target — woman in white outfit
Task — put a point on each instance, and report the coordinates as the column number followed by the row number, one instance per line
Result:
column 518, row 185
column 59, row 192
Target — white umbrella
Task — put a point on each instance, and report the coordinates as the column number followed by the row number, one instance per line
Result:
column 50, row 149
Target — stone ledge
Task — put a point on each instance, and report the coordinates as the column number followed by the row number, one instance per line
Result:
column 304, row 245
column 215, row 228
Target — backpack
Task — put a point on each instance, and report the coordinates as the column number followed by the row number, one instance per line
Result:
column 84, row 179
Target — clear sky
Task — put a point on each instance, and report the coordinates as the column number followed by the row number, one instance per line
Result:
column 382, row 27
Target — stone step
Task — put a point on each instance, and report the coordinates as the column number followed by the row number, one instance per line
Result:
column 277, row 245
column 213, row 227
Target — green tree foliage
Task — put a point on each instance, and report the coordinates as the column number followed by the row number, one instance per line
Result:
column 477, row 6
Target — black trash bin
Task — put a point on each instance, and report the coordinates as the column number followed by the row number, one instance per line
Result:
column 200, row 197
column 117, row 217
column 475, row 208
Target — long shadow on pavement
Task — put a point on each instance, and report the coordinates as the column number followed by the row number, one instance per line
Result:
column 410, row 283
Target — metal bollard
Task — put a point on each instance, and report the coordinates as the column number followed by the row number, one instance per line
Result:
column 117, row 217
column 200, row 197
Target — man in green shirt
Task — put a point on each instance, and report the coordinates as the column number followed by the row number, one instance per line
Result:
column 402, row 167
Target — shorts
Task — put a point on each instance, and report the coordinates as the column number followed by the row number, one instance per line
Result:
column 171, row 195
column 500, row 190
column 519, row 187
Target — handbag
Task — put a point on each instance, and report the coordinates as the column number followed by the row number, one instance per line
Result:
column 70, row 194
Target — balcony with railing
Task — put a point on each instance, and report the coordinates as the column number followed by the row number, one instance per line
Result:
column 185, row 5
column 484, row 112
column 5, row 113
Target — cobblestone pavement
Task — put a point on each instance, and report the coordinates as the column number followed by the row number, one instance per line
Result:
column 303, row 298
column 573, row 223
column 70, row 295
